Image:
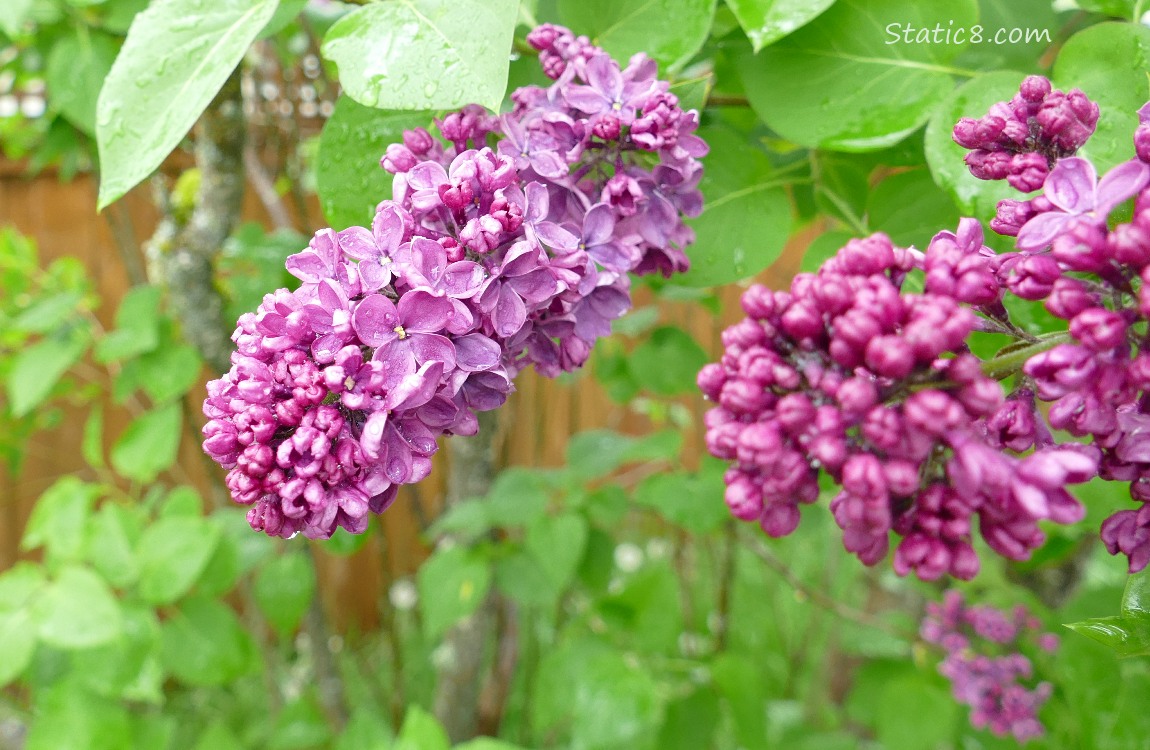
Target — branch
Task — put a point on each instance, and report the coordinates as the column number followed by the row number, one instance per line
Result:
column 183, row 253
column 469, row 474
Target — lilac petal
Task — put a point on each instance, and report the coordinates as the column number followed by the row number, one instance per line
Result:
column 430, row 347
column 324, row 348
column 1032, row 499
column 557, row 237
column 598, row 225
column 429, row 259
column 1119, row 184
column 969, row 236
column 1040, row 231
column 358, row 243
column 420, row 440
column 397, row 464
column 476, row 352
column 307, row 266
column 609, row 302
column 535, row 287
column 521, row 258
column 423, row 312
column 372, row 436
column 462, row 319
column 416, row 389
column 331, row 296
column 388, row 229
column 1071, row 184
column 585, row 98
column 611, row 255
column 549, row 164
column 1064, row 507
column 604, row 75
column 374, row 274
column 438, row 413
column 375, row 320
column 462, row 279
column 538, row 201
column 398, row 360
column 510, row 312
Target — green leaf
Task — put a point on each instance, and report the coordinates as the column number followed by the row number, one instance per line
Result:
column 36, row 369
column 519, row 576
column 693, row 92
column 284, row 589
column 169, row 372
column 668, row 362
column 974, row 197
column 1040, row 23
column 77, row 67
column 112, row 536
column 690, row 721
column 452, row 584
column 670, row 31
column 913, row 696
column 1108, row 62
column 693, row 501
column 77, row 611
column 300, row 725
column 137, row 325
column 910, row 208
column 746, row 214
column 364, row 731
column 348, row 177
column 286, row 12
column 149, row 444
column 842, row 82
column 69, row 717
column 48, row 313
column 59, row 519
column 616, row 703
column 344, row 543
column 767, row 21
column 557, row 544
column 488, row 743
column 1128, row 636
column 174, row 61
column 15, row 14
column 92, row 444
column 596, row 453
column 1136, row 597
column 420, row 731
column 18, row 634
column 173, row 552
column 218, row 737
column 424, row 54
column 204, row 644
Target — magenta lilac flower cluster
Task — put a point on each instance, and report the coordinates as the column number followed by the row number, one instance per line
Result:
column 506, row 244
column 850, row 376
column 985, row 666
column 1020, row 140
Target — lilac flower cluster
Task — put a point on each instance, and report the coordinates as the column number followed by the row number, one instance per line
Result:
column 847, row 375
column 850, row 376
column 1094, row 277
column 1020, row 140
column 984, row 665
column 484, row 261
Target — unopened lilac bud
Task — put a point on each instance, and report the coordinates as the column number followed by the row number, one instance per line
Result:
column 1130, row 243
column 1033, row 277
column 857, row 395
column 743, row 497
column 1034, row 88
column 1083, row 248
column 711, row 379
column 1098, row 328
column 1027, row 172
column 802, row 321
column 1068, row 297
column 743, row 396
column 779, row 519
column 398, row 158
column 795, row 412
column 902, row 477
column 932, row 411
column 758, row 302
column 418, row 140
column 890, row 357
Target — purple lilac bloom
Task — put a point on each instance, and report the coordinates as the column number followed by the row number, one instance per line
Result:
column 984, row 665
column 1021, row 140
column 484, row 261
column 847, row 375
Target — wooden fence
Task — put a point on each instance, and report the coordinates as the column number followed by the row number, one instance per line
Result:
column 534, row 427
